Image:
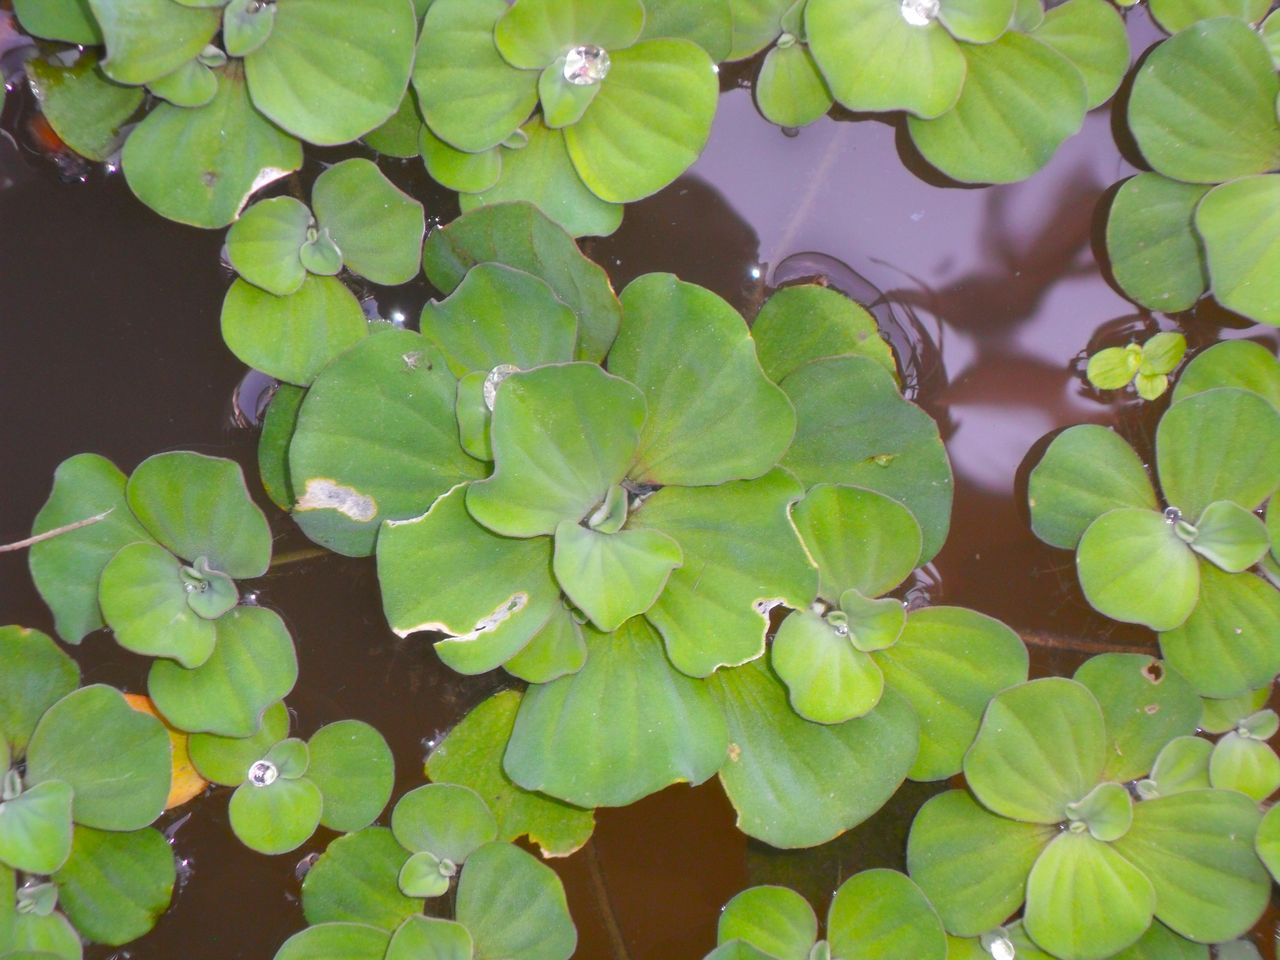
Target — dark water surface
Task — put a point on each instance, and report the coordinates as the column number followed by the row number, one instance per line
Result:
column 109, row 342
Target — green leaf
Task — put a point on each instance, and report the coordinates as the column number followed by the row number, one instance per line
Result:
column 428, row 938
column 84, row 108
column 776, row 920
column 471, row 98
column 1231, row 642
column 1091, row 34
column 972, row 864
column 1145, row 706
column 873, row 625
column 115, row 886
column 709, row 24
column 1042, row 745
column 1232, row 363
column 199, row 506
column 542, row 173
column 1182, row 765
column 873, row 59
column 336, row 941
column 445, row 572
column 200, row 166
column 562, row 436
column 1087, row 471
column 556, row 650
column 859, row 539
column 35, row 828
column 322, row 82
column 790, row 90
column 738, row 950
column 448, row 821
column 1197, row 850
column 1106, row 812
column 1245, row 765
column 948, row 663
column 853, row 427
column 353, row 767
column 226, row 760
column 657, row 103
column 828, row 681
column 799, row 784
column 277, row 817
column 1115, row 367
column 354, row 881
column 147, row 39
column 1203, row 106
column 263, row 244
column 1230, row 536
column 49, row 937
column 452, row 168
column 67, row 567
column 34, row 675
column 563, row 102
column 292, row 337
column 1239, row 223
column 810, row 322
column 1151, row 241
column 612, row 577
column 756, row 24
column 1268, row 841
column 521, row 236
column 1271, row 35
column 977, row 21
column 376, row 439
column 273, row 444
column 320, row 255
column 1133, row 567
column 1221, row 715
column 699, row 413
column 252, row 666
column 1021, row 100
column 1176, row 15
column 115, row 759
column 246, row 26
column 144, row 600
column 378, row 227
column 1163, row 352
column 71, row 21
column 1085, row 901
column 498, row 315
column 881, row 914
column 192, row 85
column 399, row 136
column 665, row 727
column 424, row 875
column 1218, row 445
column 535, row 32
column 741, row 558
column 471, row 755
column 514, row 906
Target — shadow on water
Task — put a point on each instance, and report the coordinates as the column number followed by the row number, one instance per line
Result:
column 109, row 330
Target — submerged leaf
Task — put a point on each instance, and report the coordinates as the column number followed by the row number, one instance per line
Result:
column 84, row 108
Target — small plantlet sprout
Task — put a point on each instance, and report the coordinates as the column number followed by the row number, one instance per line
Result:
column 1147, row 366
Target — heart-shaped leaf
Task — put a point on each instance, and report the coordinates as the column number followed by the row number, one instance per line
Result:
column 612, row 577
column 116, row 885
column 34, row 675
column 354, row 881
column 116, row 760
column 879, row 914
column 1133, row 567
column 1240, row 225
column 1231, row 642
column 263, row 244
column 378, row 227
column 376, row 440
column 277, row 817
column 1042, row 745
column 1230, row 536
column 828, row 680
column 1245, row 765
column 1106, row 812
column 658, row 103
column 322, row 82
column 226, row 760
column 1203, row 106
column 514, row 906
column 445, row 572
column 798, row 784
column 562, row 436
column 452, row 168
column 1182, row 765
column 948, row 663
column 200, row 166
column 790, row 90
column 246, row 26
column 448, row 821
column 1145, row 706
column 775, row 920
column 1152, row 243
column 252, row 666
column 352, row 765
column 972, row 864
column 471, row 755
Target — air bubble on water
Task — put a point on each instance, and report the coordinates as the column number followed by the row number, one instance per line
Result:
column 586, row 64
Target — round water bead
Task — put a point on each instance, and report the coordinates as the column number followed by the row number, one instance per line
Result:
column 920, row 13
column 588, row 64
column 263, row 773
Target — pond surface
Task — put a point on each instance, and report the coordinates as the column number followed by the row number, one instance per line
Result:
column 110, row 338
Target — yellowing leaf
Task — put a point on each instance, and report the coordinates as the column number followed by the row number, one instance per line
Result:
column 187, row 784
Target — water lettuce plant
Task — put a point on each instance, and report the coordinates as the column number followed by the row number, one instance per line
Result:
column 158, row 565
column 1207, row 219
column 84, row 777
column 1047, row 814
column 1181, row 566
column 364, row 896
column 1146, row 366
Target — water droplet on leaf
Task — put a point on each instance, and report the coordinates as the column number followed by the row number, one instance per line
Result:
column 263, row 773
column 920, row 13
column 494, row 379
column 587, row 64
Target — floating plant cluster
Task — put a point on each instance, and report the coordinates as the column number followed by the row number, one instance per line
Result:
column 682, row 534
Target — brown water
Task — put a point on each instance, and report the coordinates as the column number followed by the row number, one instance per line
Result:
column 110, row 343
